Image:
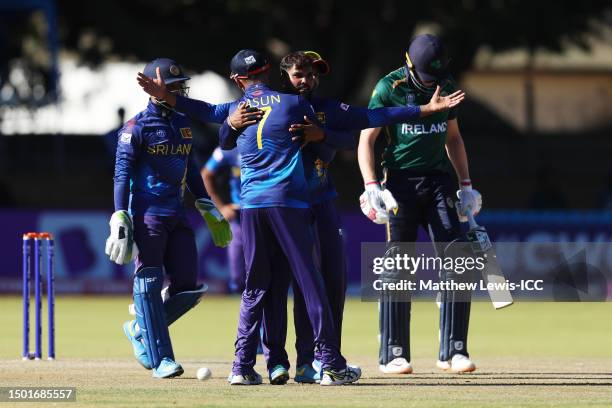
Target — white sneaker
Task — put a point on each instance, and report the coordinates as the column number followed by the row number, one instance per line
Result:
column 246, row 379
column 443, row 365
column 462, row 364
column 458, row 364
column 396, row 366
column 349, row 375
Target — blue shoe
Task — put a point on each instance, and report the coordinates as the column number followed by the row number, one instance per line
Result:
column 140, row 352
column 305, row 374
column 279, row 375
column 168, row 368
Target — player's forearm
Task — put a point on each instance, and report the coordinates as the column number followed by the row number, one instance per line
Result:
column 201, row 110
column 365, row 154
column 169, row 99
column 209, row 183
column 194, row 181
column 227, row 136
column 121, row 195
column 455, row 148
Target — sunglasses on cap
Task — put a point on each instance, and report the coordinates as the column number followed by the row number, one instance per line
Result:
column 319, row 61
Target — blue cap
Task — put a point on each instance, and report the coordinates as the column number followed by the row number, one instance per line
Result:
column 248, row 62
column 169, row 69
column 427, row 56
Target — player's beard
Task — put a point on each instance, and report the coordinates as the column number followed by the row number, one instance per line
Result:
column 304, row 90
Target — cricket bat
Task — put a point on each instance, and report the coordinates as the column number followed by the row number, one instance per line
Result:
column 491, row 273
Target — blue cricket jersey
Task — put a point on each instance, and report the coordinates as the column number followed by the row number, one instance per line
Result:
column 272, row 172
column 153, row 164
column 227, row 158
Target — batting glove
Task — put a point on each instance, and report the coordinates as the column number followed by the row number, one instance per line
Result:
column 120, row 245
column 217, row 225
column 469, row 199
column 376, row 203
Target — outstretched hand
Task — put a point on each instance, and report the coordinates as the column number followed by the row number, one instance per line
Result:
column 154, row 87
column 439, row 103
column 306, row 132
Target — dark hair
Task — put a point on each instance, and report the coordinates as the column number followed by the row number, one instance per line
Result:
column 297, row 59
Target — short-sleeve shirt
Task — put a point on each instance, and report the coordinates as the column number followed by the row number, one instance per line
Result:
column 420, row 145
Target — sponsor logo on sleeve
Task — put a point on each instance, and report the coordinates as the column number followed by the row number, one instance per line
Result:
column 125, row 138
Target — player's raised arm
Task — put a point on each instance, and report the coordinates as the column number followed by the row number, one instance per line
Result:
column 155, row 86
column 173, row 94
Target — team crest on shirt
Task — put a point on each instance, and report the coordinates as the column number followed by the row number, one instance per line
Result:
column 410, row 98
column 320, row 117
column 186, row 133
column 321, row 169
column 160, row 133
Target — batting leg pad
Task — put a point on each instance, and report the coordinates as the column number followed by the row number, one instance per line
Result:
column 394, row 330
column 182, row 302
column 150, row 314
column 455, row 306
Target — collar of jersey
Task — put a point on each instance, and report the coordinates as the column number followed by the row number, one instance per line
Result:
column 155, row 109
column 255, row 87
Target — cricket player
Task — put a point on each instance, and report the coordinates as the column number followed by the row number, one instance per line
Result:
column 417, row 162
column 229, row 159
column 152, row 169
column 300, row 73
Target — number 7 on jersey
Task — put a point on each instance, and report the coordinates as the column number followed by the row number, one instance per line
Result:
column 267, row 110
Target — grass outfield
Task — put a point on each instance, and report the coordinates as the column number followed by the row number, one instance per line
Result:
column 531, row 355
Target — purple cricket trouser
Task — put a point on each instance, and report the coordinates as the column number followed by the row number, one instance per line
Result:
column 332, row 258
column 235, row 254
column 168, row 241
column 274, row 237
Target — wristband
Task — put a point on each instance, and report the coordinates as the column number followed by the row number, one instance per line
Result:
column 229, row 122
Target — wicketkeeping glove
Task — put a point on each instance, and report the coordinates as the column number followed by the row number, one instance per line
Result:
column 468, row 198
column 376, row 203
column 120, row 245
column 217, row 225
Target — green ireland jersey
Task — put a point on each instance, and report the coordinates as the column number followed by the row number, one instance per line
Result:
column 420, row 145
